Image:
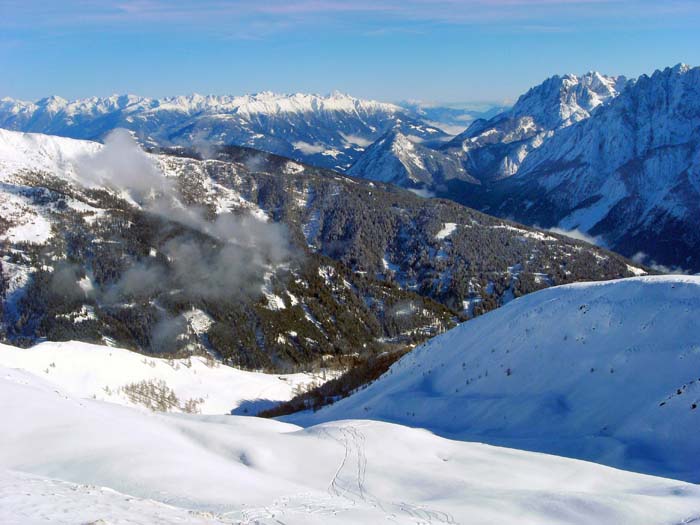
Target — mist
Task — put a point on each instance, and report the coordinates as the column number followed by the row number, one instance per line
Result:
column 225, row 258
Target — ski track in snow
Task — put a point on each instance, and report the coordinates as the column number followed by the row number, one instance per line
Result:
column 349, row 481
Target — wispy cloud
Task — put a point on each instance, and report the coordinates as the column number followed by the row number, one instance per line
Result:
column 532, row 15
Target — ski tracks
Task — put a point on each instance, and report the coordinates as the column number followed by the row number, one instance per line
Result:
column 346, row 492
column 349, row 482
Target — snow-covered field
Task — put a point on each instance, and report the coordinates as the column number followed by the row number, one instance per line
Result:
column 120, row 376
column 608, row 372
column 69, row 460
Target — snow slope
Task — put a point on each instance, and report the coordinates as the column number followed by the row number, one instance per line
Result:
column 82, row 461
column 99, row 372
column 28, row 151
column 41, row 152
column 608, row 372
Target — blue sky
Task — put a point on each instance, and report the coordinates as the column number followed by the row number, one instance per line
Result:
column 433, row 50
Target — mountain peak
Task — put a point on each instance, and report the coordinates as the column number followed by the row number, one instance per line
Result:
column 681, row 68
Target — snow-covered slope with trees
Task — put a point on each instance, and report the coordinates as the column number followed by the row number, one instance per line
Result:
column 72, row 460
column 608, row 372
column 328, row 131
column 195, row 384
column 93, row 252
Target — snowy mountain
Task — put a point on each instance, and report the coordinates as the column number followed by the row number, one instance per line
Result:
column 109, row 245
column 613, row 159
column 629, row 175
column 327, row 131
column 397, row 159
column 493, row 148
column 67, row 459
column 606, row 372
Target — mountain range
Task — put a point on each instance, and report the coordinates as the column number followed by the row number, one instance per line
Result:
column 426, row 362
column 327, row 131
column 608, row 158
column 263, row 261
column 614, row 159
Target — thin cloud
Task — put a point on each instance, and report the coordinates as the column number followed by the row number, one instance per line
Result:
column 579, row 236
column 538, row 15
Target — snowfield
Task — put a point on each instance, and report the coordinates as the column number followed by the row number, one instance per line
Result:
column 607, row 372
column 114, row 374
column 71, row 460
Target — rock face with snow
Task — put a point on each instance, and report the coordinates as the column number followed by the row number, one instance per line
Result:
column 607, row 372
column 495, row 148
column 328, row 131
column 614, row 159
column 67, row 459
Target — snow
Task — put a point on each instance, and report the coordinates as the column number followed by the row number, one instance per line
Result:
column 27, row 221
column 37, row 230
column 635, row 271
column 98, row 372
column 630, row 169
column 274, row 301
column 312, row 228
column 539, row 236
column 606, row 372
column 198, row 320
column 332, row 152
column 84, row 461
column 447, row 229
column 293, row 168
column 294, row 300
column 41, row 152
